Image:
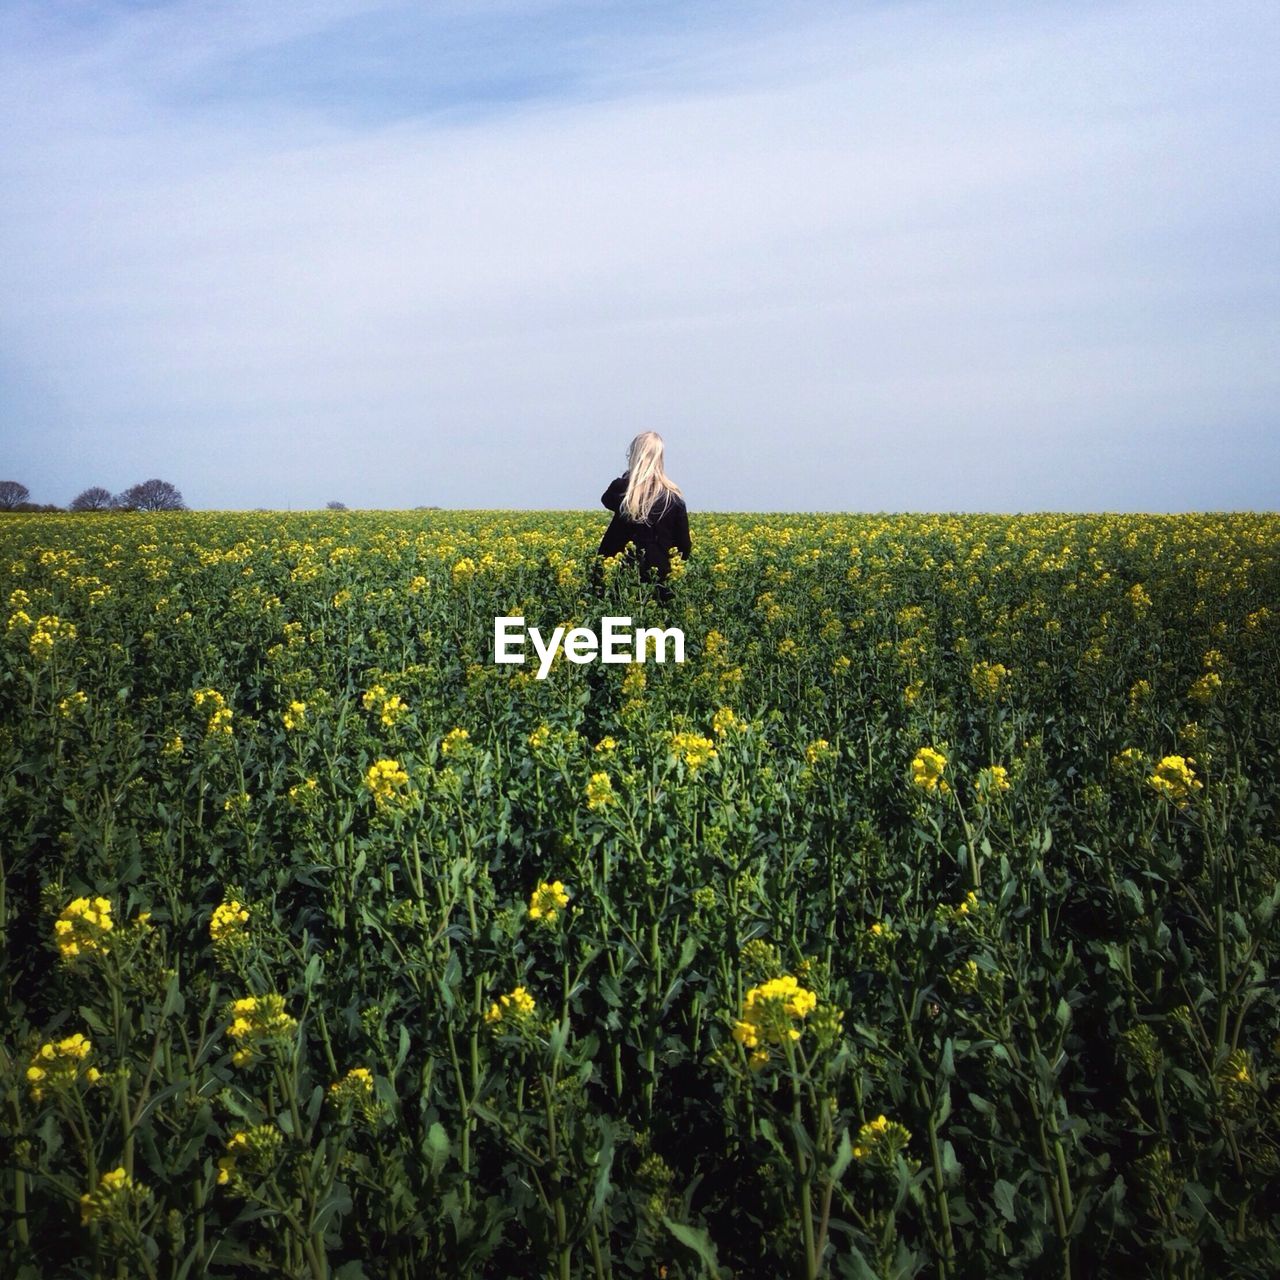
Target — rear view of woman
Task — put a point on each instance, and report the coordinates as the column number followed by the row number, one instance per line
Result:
column 648, row 510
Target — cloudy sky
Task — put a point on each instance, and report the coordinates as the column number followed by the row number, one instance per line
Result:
column 859, row 256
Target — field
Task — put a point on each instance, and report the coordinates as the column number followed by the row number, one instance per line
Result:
column 922, row 922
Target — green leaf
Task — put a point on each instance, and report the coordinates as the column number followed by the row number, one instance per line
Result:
column 697, row 1239
column 1004, row 1193
column 844, row 1154
column 438, row 1147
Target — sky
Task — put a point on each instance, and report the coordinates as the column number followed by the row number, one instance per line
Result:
column 880, row 256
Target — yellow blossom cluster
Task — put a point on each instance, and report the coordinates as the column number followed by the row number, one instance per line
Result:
column 879, row 1140
column 49, row 631
column 516, row 1007
column 294, row 716
column 990, row 782
column 454, row 741
column 693, row 749
column 357, row 1081
column 257, row 1022
column 388, row 706
column 927, row 769
column 60, row 1064
column 72, row 703
column 250, row 1153
column 84, row 927
column 1175, row 779
column 220, row 717
column 547, row 900
column 1206, row 688
column 385, row 778
column 355, row 1089
column 770, row 1013
column 600, row 791
column 725, row 722
column 1139, row 598
column 988, row 678
column 112, row 1199
column 227, row 924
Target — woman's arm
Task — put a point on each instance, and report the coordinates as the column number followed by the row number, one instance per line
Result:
column 613, row 495
column 680, row 534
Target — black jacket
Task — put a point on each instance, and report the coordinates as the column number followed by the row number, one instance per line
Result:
column 667, row 527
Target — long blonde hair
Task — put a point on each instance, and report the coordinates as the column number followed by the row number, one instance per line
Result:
column 646, row 480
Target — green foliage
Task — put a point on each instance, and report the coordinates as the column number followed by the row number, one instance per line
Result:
column 922, row 922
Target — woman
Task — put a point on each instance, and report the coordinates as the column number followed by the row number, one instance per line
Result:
column 648, row 510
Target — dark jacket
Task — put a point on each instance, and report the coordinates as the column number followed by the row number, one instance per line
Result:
column 667, row 527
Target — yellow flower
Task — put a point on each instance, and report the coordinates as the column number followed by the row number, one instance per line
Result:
column 359, row 1079
column 356, row 1088
column 256, row 1022
column 547, row 900
column 1206, row 688
column 295, row 717
column 49, row 631
column 226, row 926
column 112, row 1199
column 725, row 722
column 880, row 1140
column 1139, row 599
column 600, row 791
column 384, row 778
column 1176, row 780
column 454, row 741
column 693, row 749
column 220, row 716
column 926, row 771
column 73, row 702
column 819, row 750
column 250, row 1153
column 59, row 1064
column 987, row 678
column 83, row 927
column 770, row 1012
column 991, row 781
column 516, row 1008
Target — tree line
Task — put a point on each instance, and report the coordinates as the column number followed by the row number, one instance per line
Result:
column 149, row 495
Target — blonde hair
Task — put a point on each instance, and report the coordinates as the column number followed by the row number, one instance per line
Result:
column 646, row 479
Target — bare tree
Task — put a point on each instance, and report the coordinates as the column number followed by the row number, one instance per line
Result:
column 95, row 498
column 336, row 506
column 151, row 495
column 13, row 495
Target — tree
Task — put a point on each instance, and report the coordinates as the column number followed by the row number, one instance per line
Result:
column 95, row 498
column 13, row 495
column 151, row 495
column 336, row 506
